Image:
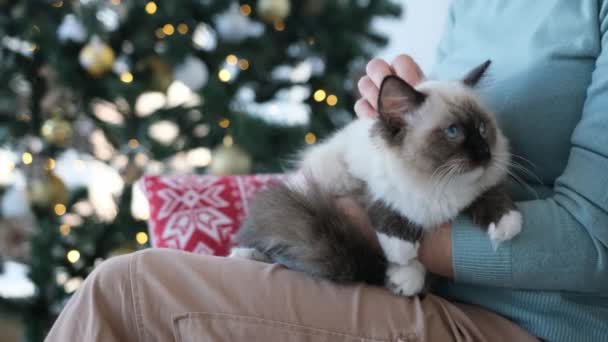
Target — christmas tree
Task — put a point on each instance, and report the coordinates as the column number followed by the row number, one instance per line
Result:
column 96, row 93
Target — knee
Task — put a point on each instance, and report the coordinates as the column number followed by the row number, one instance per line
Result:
column 110, row 273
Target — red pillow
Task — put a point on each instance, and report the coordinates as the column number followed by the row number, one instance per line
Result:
column 199, row 213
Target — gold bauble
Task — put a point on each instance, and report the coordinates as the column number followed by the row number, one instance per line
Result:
column 273, row 10
column 97, row 57
column 230, row 160
column 47, row 190
column 57, row 131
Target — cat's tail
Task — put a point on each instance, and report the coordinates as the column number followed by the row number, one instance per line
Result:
column 302, row 228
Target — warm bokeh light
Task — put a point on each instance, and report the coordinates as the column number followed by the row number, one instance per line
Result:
column 224, row 123
column 319, row 95
column 244, row 64
column 245, row 9
column 65, row 229
column 126, row 77
column 27, row 158
column 310, row 138
column 60, row 209
column 159, row 33
column 182, row 28
column 50, row 164
column 332, row 100
column 279, row 25
column 141, row 238
column 224, row 75
column 168, row 29
column 73, row 256
column 133, row 143
column 151, row 7
column 231, row 59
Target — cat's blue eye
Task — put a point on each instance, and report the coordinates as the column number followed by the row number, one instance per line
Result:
column 452, row 132
column 482, row 128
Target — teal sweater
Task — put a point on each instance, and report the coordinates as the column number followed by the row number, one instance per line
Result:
column 548, row 85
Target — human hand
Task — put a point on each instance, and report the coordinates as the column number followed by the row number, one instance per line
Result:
column 377, row 69
column 435, row 251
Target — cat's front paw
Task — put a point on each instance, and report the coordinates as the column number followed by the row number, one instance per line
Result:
column 405, row 280
column 248, row 253
column 507, row 227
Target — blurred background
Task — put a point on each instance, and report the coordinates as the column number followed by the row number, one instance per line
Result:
column 96, row 93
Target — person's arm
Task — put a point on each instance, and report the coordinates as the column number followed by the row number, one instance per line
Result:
column 564, row 241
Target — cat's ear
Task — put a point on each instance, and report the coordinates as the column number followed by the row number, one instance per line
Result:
column 396, row 99
column 473, row 77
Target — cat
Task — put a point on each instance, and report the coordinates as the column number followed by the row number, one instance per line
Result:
column 433, row 153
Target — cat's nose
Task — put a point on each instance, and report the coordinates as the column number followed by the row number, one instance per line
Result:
column 482, row 153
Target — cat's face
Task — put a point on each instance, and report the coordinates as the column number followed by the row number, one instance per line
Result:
column 440, row 128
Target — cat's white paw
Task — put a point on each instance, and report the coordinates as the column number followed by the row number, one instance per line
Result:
column 405, row 280
column 508, row 226
column 247, row 253
column 397, row 250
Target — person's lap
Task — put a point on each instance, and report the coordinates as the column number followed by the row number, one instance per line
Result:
column 164, row 295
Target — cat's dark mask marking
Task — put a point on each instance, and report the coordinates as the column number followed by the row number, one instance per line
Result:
column 475, row 75
column 474, row 148
column 395, row 100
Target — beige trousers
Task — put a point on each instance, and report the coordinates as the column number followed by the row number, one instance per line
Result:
column 166, row 295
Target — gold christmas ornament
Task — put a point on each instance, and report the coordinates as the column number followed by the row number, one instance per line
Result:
column 57, row 131
column 46, row 190
column 230, row 160
column 97, row 57
column 273, row 10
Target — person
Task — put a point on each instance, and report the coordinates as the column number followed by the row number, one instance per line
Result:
column 548, row 86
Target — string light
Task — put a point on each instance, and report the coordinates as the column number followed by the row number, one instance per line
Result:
column 224, row 75
column 245, row 9
column 168, row 29
column 133, row 143
column 159, row 33
column 27, row 158
column 141, row 238
column 126, row 77
column 65, row 229
column 224, row 123
column 73, row 256
column 151, row 7
column 279, row 25
column 244, row 64
column 60, row 209
column 319, row 95
column 228, row 141
column 182, row 28
column 231, row 59
column 310, row 138
column 332, row 100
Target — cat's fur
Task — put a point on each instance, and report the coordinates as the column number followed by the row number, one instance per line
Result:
column 433, row 153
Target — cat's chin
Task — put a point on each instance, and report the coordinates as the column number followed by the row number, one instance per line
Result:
column 473, row 175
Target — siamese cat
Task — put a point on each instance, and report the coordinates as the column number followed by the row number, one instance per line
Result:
column 433, row 153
